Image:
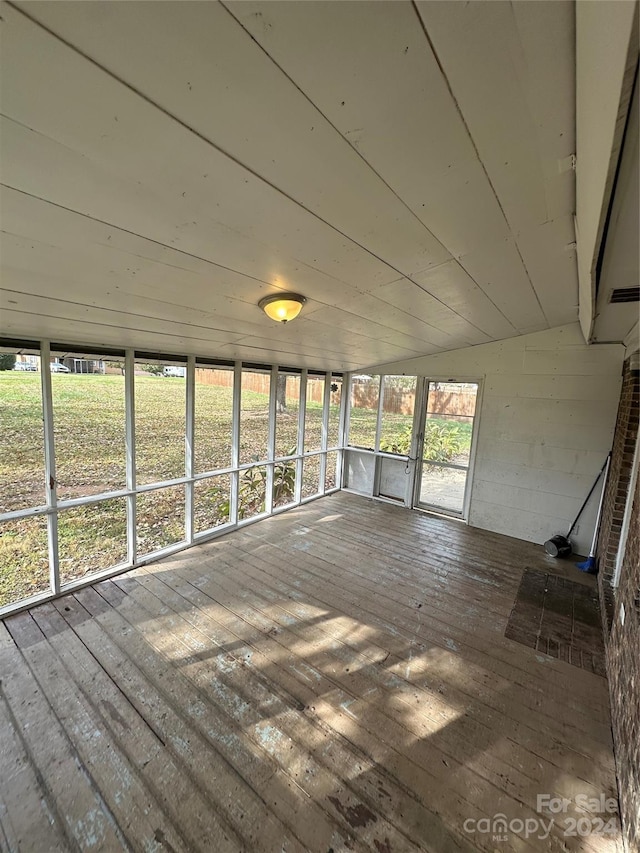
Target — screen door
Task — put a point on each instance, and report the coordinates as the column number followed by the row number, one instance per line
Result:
column 445, row 452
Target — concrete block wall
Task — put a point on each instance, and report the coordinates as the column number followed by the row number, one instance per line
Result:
column 547, row 420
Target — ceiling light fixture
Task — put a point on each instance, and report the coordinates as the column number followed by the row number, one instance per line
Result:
column 282, row 307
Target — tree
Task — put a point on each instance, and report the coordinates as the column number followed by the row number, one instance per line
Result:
column 281, row 393
column 7, row 361
column 154, row 369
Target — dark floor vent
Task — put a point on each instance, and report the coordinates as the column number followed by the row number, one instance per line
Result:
column 625, row 294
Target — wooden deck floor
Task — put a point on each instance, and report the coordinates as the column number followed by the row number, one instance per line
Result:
column 332, row 679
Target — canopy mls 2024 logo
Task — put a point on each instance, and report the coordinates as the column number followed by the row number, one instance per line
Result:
column 590, row 816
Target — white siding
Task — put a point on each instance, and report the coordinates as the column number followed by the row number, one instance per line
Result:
column 546, row 424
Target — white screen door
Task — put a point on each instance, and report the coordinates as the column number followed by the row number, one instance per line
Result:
column 444, row 450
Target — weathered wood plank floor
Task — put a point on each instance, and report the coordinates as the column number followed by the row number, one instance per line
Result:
column 332, row 679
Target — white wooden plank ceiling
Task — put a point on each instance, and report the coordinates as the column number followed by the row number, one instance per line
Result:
column 165, row 165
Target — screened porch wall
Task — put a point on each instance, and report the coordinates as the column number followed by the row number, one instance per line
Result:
column 158, row 453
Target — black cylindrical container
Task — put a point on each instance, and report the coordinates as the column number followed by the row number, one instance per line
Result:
column 558, row 546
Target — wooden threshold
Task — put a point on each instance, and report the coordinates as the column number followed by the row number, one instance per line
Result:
column 335, row 678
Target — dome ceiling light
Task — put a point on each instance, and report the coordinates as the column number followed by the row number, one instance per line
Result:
column 282, row 307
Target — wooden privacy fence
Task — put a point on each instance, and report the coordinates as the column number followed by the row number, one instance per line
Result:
column 398, row 401
column 452, row 403
column 260, row 383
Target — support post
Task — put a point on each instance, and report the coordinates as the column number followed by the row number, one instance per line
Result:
column 235, row 442
column 345, row 412
column 326, row 404
column 130, row 444
column 50, row 467
column 271, row 442
column 189, row 448
column 301, row 415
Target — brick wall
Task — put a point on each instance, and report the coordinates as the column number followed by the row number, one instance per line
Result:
column 618, row 484
column 623, row 640
column 623, row 667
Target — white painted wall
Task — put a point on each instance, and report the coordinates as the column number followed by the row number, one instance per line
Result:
column 546, row 425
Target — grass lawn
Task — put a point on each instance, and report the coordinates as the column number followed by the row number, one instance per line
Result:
column 89, row 431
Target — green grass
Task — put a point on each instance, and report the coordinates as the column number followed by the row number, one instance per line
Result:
column 90, row 458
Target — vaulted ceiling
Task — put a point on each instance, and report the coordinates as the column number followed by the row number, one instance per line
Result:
column 407, row 167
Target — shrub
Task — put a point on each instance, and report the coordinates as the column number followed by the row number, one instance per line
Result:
column 400, row 443
column 253, row 487
column 442, row 442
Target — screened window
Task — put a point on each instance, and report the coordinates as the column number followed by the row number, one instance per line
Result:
column 24, row 558
column 314, row 414
column 91, row 538
column 252, row 494
column 396, row 420
column 24, row 554
column 363, row 415
column 88, row 394
column 254, row 416
column 310, row 476
column 330, row 472
column 21, row 427
column 212, row 502
column 213, row 421
column 287, row 414
column 160, row 518
column 160, row 406
column 335, row 402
